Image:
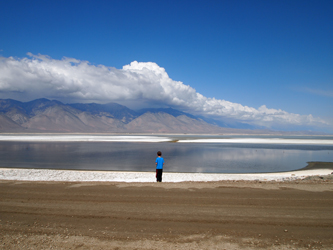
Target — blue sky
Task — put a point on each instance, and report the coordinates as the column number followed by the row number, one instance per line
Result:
column 253, row 53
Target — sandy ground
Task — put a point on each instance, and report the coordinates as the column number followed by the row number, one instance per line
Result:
column 295, row 214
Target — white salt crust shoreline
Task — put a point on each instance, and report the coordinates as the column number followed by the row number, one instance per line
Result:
column 162, row 138
column 114, row 176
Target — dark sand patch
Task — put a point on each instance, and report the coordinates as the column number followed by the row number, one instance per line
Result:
column 318, row 165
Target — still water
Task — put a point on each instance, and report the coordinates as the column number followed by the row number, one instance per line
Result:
column 194, row 154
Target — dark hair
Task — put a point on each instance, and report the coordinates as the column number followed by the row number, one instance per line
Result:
column 159, row 153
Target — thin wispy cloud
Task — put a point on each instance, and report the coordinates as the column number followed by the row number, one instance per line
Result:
column 70, row 79
column 320, row 92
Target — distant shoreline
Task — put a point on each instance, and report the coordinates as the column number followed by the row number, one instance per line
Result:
column 273, row 133
column 318, row 165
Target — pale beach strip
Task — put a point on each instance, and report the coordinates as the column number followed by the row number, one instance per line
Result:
column 117, row 176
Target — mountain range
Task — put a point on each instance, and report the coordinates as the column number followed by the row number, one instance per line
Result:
column 51, row 116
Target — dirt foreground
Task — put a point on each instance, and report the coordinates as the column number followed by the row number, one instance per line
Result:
column 188, row 215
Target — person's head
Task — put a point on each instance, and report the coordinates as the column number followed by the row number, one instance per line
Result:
column 159, row 153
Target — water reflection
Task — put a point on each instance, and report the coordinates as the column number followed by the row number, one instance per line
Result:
column 136, row 156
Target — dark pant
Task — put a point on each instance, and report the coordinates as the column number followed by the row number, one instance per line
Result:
column 159, row 175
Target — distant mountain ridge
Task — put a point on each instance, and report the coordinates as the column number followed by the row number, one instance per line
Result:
column 113, row 110
column 44, row 115
column 170, row 111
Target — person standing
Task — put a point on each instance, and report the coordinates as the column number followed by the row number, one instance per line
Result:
column 159, row 166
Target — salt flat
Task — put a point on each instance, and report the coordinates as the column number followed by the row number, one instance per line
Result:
column 306, row 140
column 115, row 176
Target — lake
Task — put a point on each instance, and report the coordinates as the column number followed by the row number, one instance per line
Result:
column 182, row 153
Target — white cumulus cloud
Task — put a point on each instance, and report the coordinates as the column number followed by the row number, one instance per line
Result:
column 70, row 79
